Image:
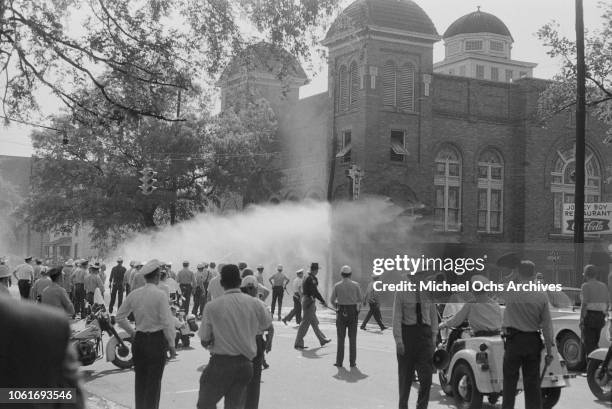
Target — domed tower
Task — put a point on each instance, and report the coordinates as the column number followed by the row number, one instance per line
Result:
column 479, row 45
column 380, row 66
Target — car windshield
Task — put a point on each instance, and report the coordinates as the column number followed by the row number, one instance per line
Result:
column 559, row 299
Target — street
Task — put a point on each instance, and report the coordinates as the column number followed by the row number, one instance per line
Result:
column 302, row 380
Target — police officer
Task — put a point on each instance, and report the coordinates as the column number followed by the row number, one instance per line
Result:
column 127, row 279
column 309, row 308
column 55, row 295
column 372, row 299
column 24, row 274
column 78, row 283
column 39, row 285
column 297, row 298
column 115, row 284
column 346, row 295
column 186, row 281
column 526, row 313
column 278, row 282
column 93, row 281
column 5, row 279
column 202, row 279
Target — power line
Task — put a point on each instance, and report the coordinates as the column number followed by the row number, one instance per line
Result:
column 30, row 123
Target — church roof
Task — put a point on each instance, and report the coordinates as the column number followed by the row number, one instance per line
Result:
column 477, row 22
column 404, row 15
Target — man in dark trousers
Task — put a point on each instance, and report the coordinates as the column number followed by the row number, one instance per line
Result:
column 593, row 309
column 415, row 328
column 278, row 282
column 372, row 299
column 297, row 298
column 153, row 336
column 116, row 285
column 24, row 274
column 186, row 281
column 78, row 283
column 527, row 312
column 202, row 279
column 346, row 295
column 309, row 309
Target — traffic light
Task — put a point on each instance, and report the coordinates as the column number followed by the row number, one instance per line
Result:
column 148, row 181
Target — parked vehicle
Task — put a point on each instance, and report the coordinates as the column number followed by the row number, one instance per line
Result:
column 89, row 343
column 475, row 370
column 598, row 377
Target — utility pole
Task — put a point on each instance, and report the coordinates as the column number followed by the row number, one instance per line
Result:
column 580, row 148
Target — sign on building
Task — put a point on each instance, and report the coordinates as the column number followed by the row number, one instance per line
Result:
column 597, row 218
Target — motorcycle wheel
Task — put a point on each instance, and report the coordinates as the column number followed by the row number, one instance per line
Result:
column 593, row 369
column 570, row 349
column 126, row 361
column 465, row 390
column 185, row 341
column 550, row 397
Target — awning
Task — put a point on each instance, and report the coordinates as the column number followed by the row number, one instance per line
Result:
column 399, row 149
column 344, row 151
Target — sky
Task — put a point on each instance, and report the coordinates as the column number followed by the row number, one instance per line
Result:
column 522, row 17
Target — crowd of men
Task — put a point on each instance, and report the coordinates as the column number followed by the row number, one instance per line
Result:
column 236, row 325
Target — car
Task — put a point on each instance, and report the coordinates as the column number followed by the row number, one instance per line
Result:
column 566, row 330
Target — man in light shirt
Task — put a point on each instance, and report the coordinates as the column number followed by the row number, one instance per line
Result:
column 297, row 299
column 5, row 277
column 24, row 274
column 372, row 299
column 347, row 297
column 154, row 334
column 593, row 310
column 278, row 282
column 229, row 329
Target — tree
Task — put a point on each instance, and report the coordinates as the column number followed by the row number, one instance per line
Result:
column 156, row 45
column 560, row 95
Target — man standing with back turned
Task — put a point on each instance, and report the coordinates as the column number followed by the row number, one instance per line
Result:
column 346, row 295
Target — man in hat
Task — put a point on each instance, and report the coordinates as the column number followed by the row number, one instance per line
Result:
column 347, row 297
column 115, row 284
column 153, row 336
column 93, row 281
column 415, row 329
column 250, row 287
column 78, row 284
column 137, row 280
column 39, row 285
column 526, row 319
column 241, row 267
column 5, row 279
column 128, row 277
column 202, row 279
column 66, row 278
column 229, row 328
column 278, row 282
column 186, row 281
column 55, row 295
column 37, row 267
column 309, row 309
column 24, row 274
column 215, row 289
column 171, row 274
column 297, row 298
column 593, row 309
column 371, row 297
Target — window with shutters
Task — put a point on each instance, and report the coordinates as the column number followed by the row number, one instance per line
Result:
column 480, row 71
column 398, row 146
column 447, row 198
column 405, row 89
column 354, row 84
column 343, row 89
column 389, row 84
column 494, row 73
column 490, row 192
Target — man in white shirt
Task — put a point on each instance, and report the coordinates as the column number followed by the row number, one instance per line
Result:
column 229, row 329
column 297, row 299
column 24, row 274
column 154, row 334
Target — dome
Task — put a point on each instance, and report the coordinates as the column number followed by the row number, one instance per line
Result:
column 268, row 58
column 477, row 22
column 404, row 15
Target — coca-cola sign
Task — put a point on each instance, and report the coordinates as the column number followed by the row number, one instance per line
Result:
column 597, row 218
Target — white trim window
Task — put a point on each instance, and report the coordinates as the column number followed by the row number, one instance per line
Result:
column 447, row 183
column 490, row 192
column 398, row 146
column 564, row 177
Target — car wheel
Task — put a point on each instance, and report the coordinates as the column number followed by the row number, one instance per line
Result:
column 444, row 384
column 602, row 390
column 550, row 397
column 123, row 357
column 570, row 349
column 465, row 391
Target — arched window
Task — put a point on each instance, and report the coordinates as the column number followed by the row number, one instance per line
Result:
column 447, row 182
column 490, row 192
column 564, row 178
column 389, row 83
column 354, row 84
column 343, row 88
column 406, row 87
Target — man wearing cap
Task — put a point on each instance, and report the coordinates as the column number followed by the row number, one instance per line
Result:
column 241, row 267
column 347, row 298
column 260, row 280
column 66, row 278
column 39, row 285
column 202, row 279
column 186, row 281
column 309, row 309
column 24, row 274
column 297, row 298
column 55, row 295
column 593, row 309
column 5, row 279
column 250, row 287
column 115, row 284
column 526, row 314
column 128, row 277
column 171, row 274
column 278, row 282
column 372, row 299
column 78, row 284
column 154, row 334
column 415, row 329
column 229, row 328
column 37, row 267
column 93, row 281
column 215, row 289
column 137, row 280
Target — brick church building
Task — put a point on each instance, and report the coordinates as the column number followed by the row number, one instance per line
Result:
column 458, row 140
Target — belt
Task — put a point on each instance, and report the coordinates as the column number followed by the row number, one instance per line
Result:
column 485, row 333
column 347, row 306
column 230, row 357
column 149, row 334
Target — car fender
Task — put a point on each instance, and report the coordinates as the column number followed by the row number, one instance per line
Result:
column 482, row 377
column 599, row 354
column 112, row 343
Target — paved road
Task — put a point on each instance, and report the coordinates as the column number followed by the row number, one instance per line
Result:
column 303, row 380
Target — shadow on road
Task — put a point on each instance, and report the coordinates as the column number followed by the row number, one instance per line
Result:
column 312, row 353
column 352, row 376
column 90, row 374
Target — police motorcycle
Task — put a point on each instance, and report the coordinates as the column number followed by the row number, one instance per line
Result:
column 89, row 343
column 474, row 369
column 184, row 324
column 598, row 377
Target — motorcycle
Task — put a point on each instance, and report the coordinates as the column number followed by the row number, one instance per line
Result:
column 89, row 344
column 598, row 377
column 185, row 325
